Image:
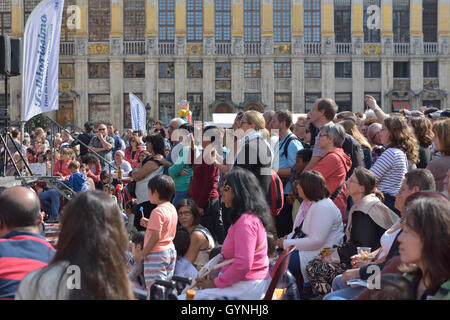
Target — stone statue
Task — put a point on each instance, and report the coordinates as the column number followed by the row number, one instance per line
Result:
column 180, row 46
column 81, row 47
column 151, row 47
column 268, row 47
column 237, row 47
column 416, row 46
column 115, row 47
column 388, row 46
column 358, row 46
column 328, row 46
column 209, row 47
column 298, row 46
column 445, row 46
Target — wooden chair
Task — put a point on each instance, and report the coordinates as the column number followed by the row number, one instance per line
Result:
column 280, row 267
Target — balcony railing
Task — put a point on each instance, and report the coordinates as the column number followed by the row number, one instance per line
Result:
column 313, row 48
column 430, row 48
column 401, row 48
column 223, row 48
column 134, row 47
column 252, row 48
column 66, row 48
column 166, row 48
column 343, row 48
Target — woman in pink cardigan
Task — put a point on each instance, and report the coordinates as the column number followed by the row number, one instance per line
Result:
column 249, row 242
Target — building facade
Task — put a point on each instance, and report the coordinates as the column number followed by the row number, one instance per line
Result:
column 231, row 55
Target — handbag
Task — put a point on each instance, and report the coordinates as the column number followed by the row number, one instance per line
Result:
column 131, row 187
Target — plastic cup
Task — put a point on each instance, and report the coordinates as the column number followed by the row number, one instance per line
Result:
column 365, row 249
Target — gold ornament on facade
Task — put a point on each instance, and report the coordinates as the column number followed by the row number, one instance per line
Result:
column 195, row 48
column 65, row 85
column 99, row 48
column 372, row 49
column 223, row 85
column 282, row 48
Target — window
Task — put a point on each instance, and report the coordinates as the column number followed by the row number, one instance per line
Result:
column 282, row 20
column 401, row 69
column 312, row 20
column 371, row 35
column 376, row 95
column 252, row 70
column 430, row 69
column 343, row 69
column 223, row 96
column 342, row 21
column 310, row 99
column 5, row 17
column 133, row 20
column 99, row 20
column 134, row 70
column 166, row 20
column 223, row 70
column 196, row 105
column 283, row 101
column 66, row 33
column 252, row 96
column 66, row 71
column 223, row 20
column 194, row 20
column 28, row 6
column 282, row 69
column 126, row 109
column 429, row 20
column 195, row 70
column 166, row 70
column 98, row 70
column 344, row 101
column 99, row 108
column 400, row 18
column 166, row 107
column 312, row 69
column 252, row 24
column 372, row 69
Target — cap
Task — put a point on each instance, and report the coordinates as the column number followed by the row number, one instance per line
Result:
column 435, row 115
column 88, row 125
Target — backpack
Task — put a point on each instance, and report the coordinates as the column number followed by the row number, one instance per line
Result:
column 276, row 194
column 286, row 144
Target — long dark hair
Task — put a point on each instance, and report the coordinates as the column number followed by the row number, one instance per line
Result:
column 157, row 142
column 429, row 216
column 93, row 237
column 249, row 197
column 193, row 207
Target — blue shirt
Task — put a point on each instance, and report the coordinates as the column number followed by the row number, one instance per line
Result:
column 289, row 160
column 77, row 182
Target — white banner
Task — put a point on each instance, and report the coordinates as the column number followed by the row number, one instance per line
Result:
column 138, row 116
column 40, row 90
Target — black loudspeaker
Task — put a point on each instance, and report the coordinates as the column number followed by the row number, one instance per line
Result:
column 10, row 56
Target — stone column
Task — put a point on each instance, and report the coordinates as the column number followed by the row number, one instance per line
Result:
column 237, row 43
column 444, row 41
column 237, row 80
column 328, row 80
column 267, row 61
column 358, row 84
column 151, row 85
column 180, row 80
column 298, row 84
column 209, row 80
column 327, row 24
column 15, row 83
column 116, row 92
column 387, row 82
column 267, row 81
column 416, row 76
column 387, row 64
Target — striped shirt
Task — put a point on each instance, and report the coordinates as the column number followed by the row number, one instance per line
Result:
column 390, row 169
column 20, row 253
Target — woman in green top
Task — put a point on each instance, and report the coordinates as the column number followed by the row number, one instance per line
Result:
column 425, row 246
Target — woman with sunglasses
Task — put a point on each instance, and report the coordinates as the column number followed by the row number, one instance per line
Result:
column 249, row 242
column 201, row 239
column 133, row 151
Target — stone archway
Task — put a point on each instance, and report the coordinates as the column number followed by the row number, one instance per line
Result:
column 222, row 106
column 253, row 105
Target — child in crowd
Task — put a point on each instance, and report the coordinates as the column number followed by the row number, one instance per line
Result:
column 131, row 209
column 183, row 267
column 84, row 169
column 136, row 274
column 159, row 253
column 301, row 161
column 392, row 287
column 77, row 180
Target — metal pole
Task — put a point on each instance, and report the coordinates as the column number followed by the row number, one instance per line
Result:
column 6, row 127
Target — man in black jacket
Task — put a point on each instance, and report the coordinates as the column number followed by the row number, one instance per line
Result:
column 85, row 138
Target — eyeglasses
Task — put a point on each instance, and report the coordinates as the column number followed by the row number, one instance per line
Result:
column 242, row 122
column 323, row 135
column 101, row 129
column 184, row 213
column 226, row 188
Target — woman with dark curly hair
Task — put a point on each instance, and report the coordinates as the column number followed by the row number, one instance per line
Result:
column 401, row 154
column 422, row 128
column 250, row 241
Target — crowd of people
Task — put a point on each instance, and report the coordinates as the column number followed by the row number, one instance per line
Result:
column 349, row 193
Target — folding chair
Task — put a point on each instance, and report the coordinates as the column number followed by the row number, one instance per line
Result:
column 280, row 267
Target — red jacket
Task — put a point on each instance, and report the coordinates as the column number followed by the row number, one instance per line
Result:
column 133, row 161
column 62, row 167
column 204, row 183
column 95, row 176
column 334, row 167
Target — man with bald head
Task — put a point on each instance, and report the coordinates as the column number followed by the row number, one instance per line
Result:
column 22, row 249
column 374, row 138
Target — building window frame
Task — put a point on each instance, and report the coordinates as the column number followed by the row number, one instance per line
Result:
column 401, row 21
column 134, row 70
column 194, row 20
column 194, row 70
column 98, row 70
column 281, row 99
column 252, row 21
column 372, row 69
column 223, row 70
column 99, row 20
column 342, row 21
column 166, row 17
column 313, row 70
column 134, row 20
column 166, row 70
column 282, row 69
column 370, row 35
column 312, row 20
column 223, row 18
column 431, row 69
column 282, row 21
column 343, row 69
column 430, row 20
column 252, row 70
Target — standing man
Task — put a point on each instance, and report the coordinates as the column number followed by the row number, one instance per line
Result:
column 323, row 112
column 22, row 249
column 117, row 140
column 285, row 151
column 102, row 144
column 85, row 138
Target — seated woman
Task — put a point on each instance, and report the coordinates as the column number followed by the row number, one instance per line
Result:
column 119, row 162
column 201, row 239
column 318, row 223
column 335, row 164
column 133, row 151
column 425, row 247
column 249, row 242
column 368, row 220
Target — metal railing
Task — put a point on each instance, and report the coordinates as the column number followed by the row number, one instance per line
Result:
column 430, row 48
column 313, row 48
column 401, row 48
column 166, row 48
column 223, row 48
column 343, row 48
column 66, row 48
column 134, row 47
column 252, row 48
